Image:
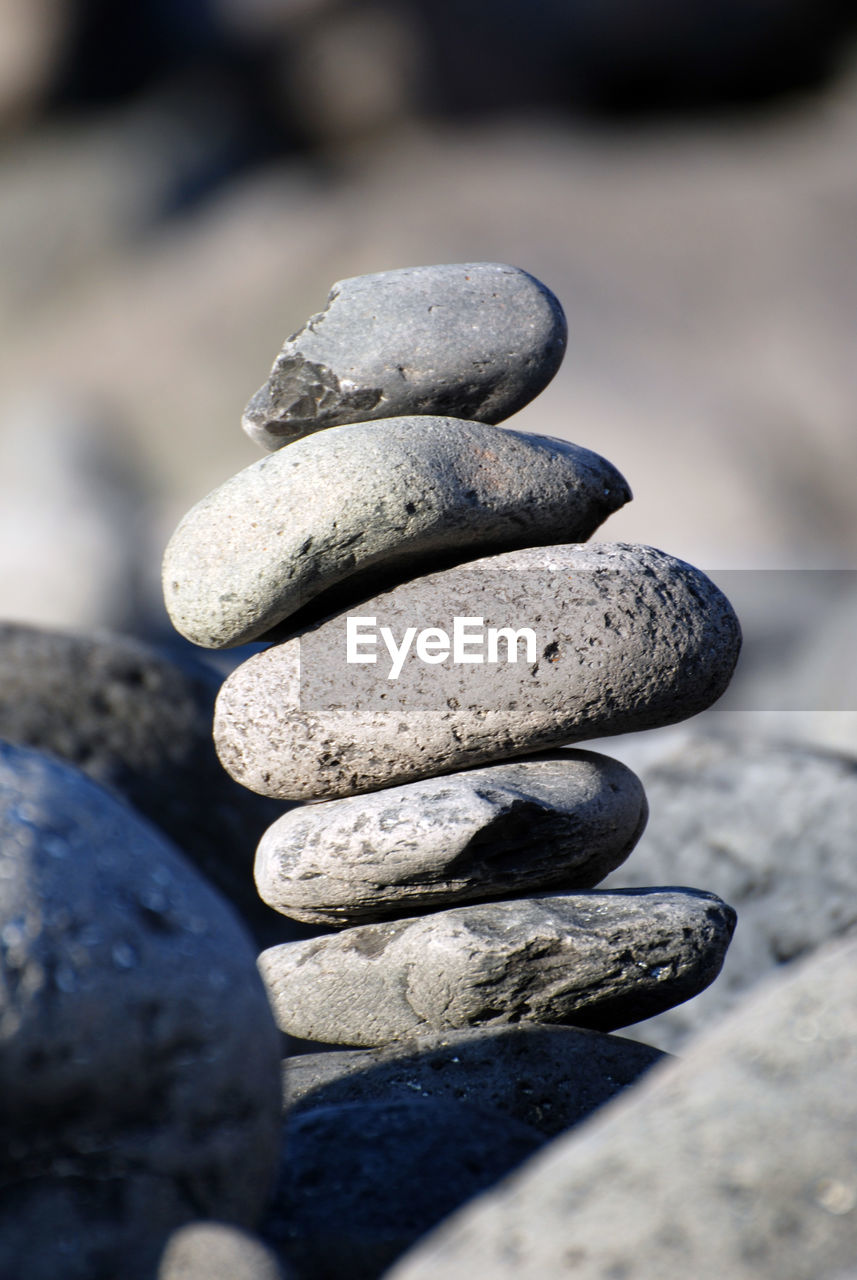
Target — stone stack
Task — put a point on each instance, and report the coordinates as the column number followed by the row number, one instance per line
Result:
column 440, row 628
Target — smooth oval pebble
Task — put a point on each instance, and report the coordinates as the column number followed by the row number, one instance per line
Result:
column 627, row 638
column 370, row 498
column 599, row 960
column 215, row 1251
column 566, row 819
column 472, row 340
column 140, row 1066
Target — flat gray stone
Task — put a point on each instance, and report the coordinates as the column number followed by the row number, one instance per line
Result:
column 470, row 340
column 767, row 825
column 547, row 1077
column 562, row 820
column 140, row 1067
column 738, row 1160
column 216, row 1251
column 626, row 638
column 598, row 960
column 139, row 723
column 369, row 502
column 360, row 1182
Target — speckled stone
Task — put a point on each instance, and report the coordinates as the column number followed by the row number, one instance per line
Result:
column 548, row 1077
column 738, row 1160
column 376, row 500
column 138, row 722
column 565, row 819
column 471, row 340
column 599, row 960
column 140, row 1066
column 215, row 1251
column 627, row 638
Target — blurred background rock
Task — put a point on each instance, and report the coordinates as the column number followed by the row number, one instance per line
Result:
column 182, row 180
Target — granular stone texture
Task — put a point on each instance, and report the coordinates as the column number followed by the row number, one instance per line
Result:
column 738, row 1160
column 376, row 499
column 140, row 1075
column 549, row 1077
column 599, row 960
column 360, row 1182
column 564, row 819
column 471, row 340
column 215, row 1251
column 625, row 638
column 139, row 723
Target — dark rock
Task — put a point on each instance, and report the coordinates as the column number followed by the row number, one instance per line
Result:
column 140, row 1069
column 738, row 1160
column 360, row 1182
column 560, row 820
column 548, row 1077
column 140, row 724
column 599, row 960
column 468, row 340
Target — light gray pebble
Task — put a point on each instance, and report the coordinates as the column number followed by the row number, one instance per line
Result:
column 738, row 1160
column 374, row 498
column 565, row 819
column 140, row 1067
column 217, row 1251
column 626, row 638
column 598, row 960
column 471, row 340
column 548, row 1077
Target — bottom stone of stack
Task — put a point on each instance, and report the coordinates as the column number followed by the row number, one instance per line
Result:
column 600, row 960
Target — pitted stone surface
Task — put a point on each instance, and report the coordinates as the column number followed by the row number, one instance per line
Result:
column 737, row 1160
column 548, row 1077
column 627, row 638
column 374, row 498
column 471, row 340
column 598, row 960
column 562, row 820
column 139, row 723
column 140, row 1065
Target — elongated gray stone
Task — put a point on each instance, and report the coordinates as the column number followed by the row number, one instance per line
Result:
column 566, row 820
column 626, row 638
column 472, row 340
column 737, row 1160
column 375, row 497
column 599, row 960
column 548, row 1077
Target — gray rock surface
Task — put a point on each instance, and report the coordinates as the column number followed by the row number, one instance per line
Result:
column 471, row 340
column 562, row 820
column 738, row 1160
column 548, row 1077
column 769, row 826
column 140, row 1066
column 599, row 960
column 371, row 499
column 626, row 638
column 216, row 1251
column 139, row 723
column 360, row 1182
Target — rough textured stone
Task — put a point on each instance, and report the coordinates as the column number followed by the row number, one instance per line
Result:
column 548, row 1077
column 367, row 502
column 627, row 638
column 360, row 1182
column 597, row 960
column 215, row 1251
column 738, row 1160
column 560, row 820
column 139, row 723
column 472, row 340
column 769, row 827
column 140, row 1065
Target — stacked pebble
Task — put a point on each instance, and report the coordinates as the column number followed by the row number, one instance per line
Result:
column 453, row 843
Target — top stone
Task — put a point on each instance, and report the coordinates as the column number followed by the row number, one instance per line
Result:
column 468, row 340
